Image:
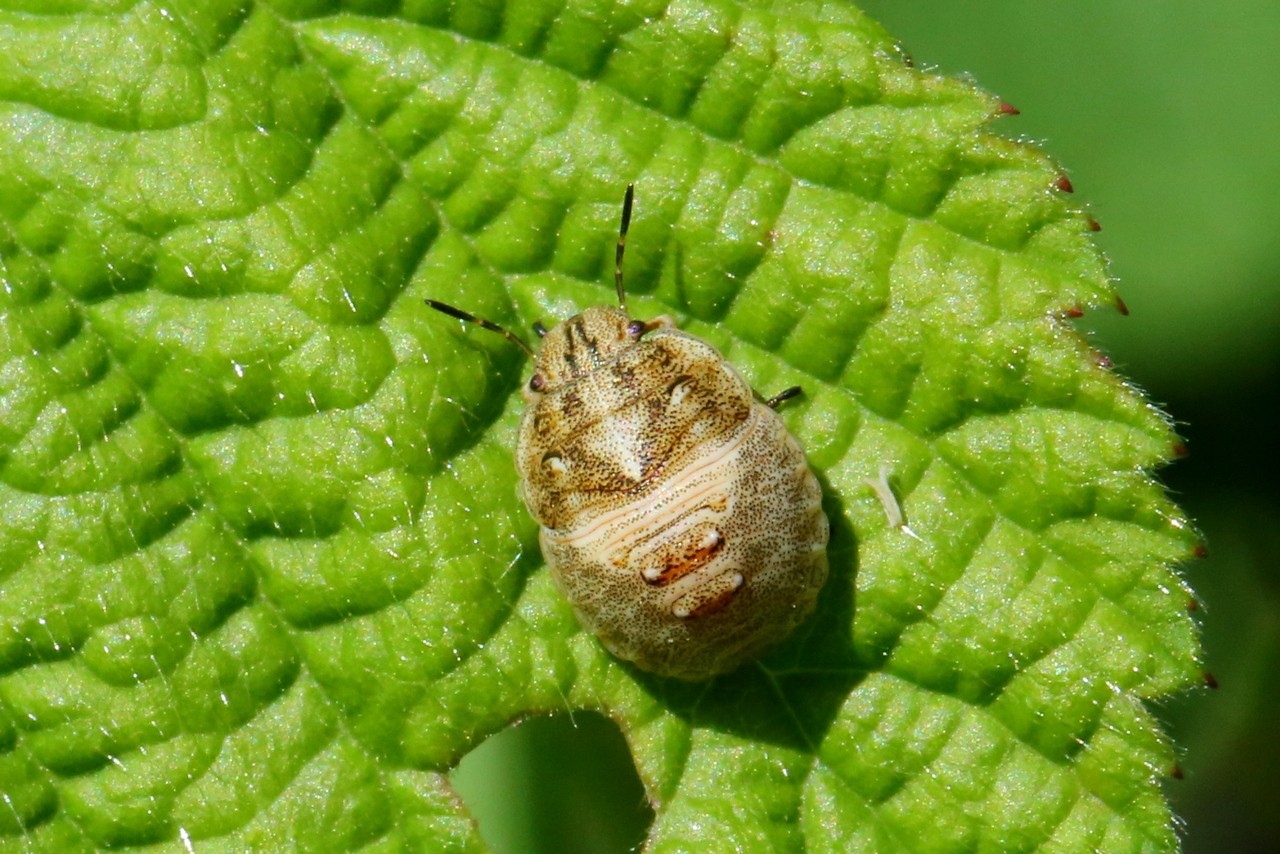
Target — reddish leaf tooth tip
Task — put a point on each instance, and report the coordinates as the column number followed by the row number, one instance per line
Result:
column 1075, row 311
column 1102, row 360
column 1176, row 772
column 1004, row 108
column 1064, row 184
column 1193, row 605
column 1094, row 225
column 1121, row 307
column 1180, row 451
column 1200, row 551
column 1210, row 680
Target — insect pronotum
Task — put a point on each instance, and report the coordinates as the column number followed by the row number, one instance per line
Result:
column 678, row 515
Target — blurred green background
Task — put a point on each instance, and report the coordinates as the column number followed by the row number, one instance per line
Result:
column 1167, row 119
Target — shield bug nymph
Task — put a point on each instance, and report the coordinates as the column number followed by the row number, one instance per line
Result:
column 678, row 515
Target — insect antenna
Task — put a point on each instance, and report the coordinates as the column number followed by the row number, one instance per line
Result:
column 622, row 246
column 480, row 321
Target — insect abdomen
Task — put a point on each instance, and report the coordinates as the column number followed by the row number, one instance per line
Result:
column 723, row 559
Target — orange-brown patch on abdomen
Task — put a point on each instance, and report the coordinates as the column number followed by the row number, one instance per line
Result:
column 710, row 597
column 695, row 554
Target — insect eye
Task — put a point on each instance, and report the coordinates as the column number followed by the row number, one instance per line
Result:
column 539, row 329
column 636, row 328
column 536, row 382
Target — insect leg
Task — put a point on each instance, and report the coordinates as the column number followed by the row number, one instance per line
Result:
column 785, row 394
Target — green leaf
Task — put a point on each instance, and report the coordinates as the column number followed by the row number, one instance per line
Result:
column 264, row 576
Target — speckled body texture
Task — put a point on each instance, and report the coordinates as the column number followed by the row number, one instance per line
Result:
column 678, row 515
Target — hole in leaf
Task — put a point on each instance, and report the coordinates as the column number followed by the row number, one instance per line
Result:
column 555, row 784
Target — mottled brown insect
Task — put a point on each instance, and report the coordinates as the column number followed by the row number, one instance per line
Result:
column 678, row 515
